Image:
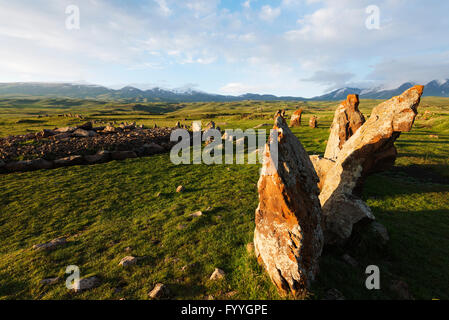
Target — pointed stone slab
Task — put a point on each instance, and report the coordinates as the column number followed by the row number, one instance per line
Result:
column 347, row 120
column 370, row 149
column 288, row 238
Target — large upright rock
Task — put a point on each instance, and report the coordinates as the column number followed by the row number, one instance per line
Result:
column 288, row 239
column 347, row 120
column 370, row 149
column 295, row 120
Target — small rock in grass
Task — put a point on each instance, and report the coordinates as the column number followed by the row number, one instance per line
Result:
column 128, row 249
column 217, row 274
column 196, row 214
column 180, row 189
column 182, row 227
column 159, row 291
column 128, row 261
column 87, row 284
column 350, row 260
column 51, row 244
column 231, row 294
column 50, row 281
column 334, row 294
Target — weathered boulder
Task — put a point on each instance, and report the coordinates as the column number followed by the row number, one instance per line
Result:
column 313, row 122
column 87, row 284
column 288, row 239
column 68, row 161
column 53, row 244
column 122, row 155
column 295, row 120
column 99, row 157
column 370, row 149
column 65, row 130
column 128, row 261
column 28, row 165
column 347, row 120
column 152, row 148
column 84, row 133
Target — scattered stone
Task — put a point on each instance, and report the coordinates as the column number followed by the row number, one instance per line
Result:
column 53, row 244
column 334, row 294
column 110, row 129
column 50, row 281
column 371, row 149
column 401, row 289
column 84, row 133
column 128, row 261
column 295, row 120
column 180, row 189
column 434, row 136
column 182, row 227
column 350, row 260
column 288, row 238
column 159, row 291
column 382, row 232
column 313, row 123
column 87, row 284
column 196, row 214
column 99, row 157
column 128, row 249
column 347, row 120
column 217, row 275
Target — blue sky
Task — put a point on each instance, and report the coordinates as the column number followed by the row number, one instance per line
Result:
column 284, row 47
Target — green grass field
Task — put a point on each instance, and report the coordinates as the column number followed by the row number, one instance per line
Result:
column 109, row 207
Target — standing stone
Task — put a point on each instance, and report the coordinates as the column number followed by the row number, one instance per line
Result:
column 295, row 120
column 369, row 150
column 347, row 120
column 288, row 238
column 313, row 123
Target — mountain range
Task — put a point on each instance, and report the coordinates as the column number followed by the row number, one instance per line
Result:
column 87, row 91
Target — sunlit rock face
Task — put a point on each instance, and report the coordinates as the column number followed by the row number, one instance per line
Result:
column 370, row 149
column 288, row 238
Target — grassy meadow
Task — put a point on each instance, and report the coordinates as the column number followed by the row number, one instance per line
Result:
column 106, row 208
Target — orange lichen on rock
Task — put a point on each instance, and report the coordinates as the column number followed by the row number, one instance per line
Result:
column 288, row 238
column 295, row 120
column 370, row 149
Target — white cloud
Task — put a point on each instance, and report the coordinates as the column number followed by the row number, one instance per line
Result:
column 163, row 8
column 268, row 13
